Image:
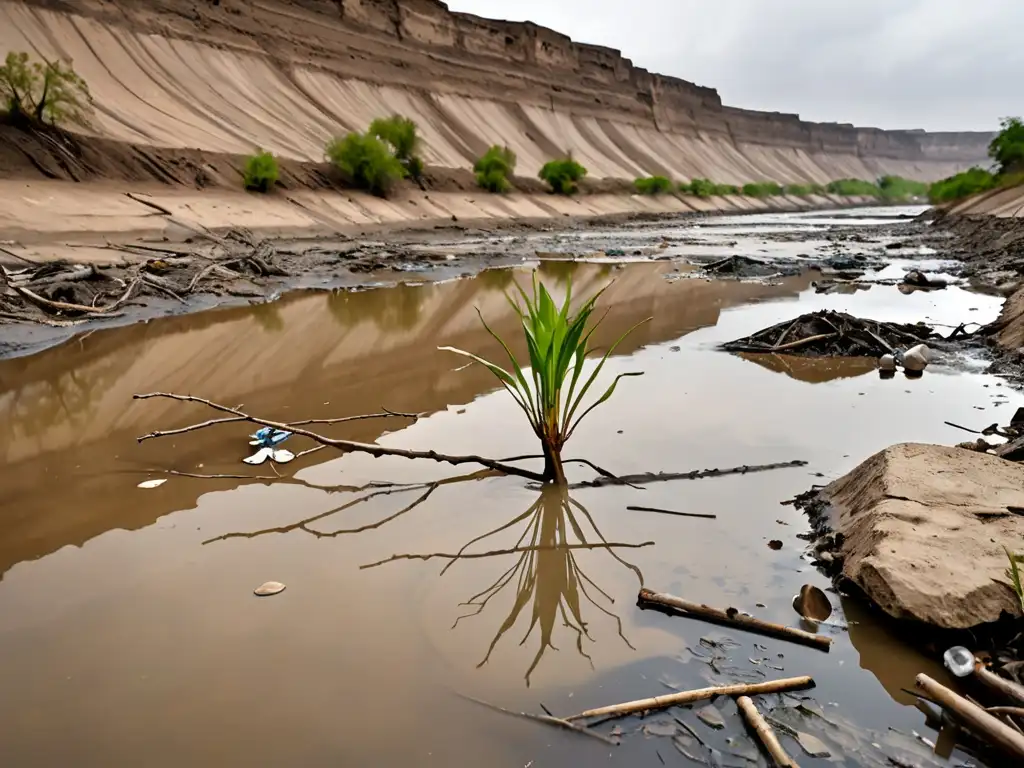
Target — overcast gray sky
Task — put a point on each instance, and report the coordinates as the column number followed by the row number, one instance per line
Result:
column 934, row 64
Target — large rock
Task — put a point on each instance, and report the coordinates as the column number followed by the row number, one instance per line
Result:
column 924, row 528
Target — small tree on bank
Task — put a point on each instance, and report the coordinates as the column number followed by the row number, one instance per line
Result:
column 46, row 92
column 1007, row 148
column 401, row 133
column 494, row 167
column 366, row 162
column 261, row 172
column 563, row 176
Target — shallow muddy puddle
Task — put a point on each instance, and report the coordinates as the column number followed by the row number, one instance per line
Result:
column 129, row 633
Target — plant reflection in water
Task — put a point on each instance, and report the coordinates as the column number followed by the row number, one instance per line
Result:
column 547, row 576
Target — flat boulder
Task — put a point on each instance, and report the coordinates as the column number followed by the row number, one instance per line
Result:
column 921, row 530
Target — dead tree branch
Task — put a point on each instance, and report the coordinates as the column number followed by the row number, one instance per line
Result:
column 350, row 445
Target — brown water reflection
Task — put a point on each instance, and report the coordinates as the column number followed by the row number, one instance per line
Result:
column 67, row 420
column 141, row 643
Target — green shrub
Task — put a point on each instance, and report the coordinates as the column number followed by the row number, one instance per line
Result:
column 899, row 188
column 961, row 185
column 762, row 189
column 366, row 162
column 261, row 171
column 563, row 175
column 799, row 190
column 699, row 188
column 653, row 185
column 726, row 189
column 1007, row 148
column 494, row 167
column 50, row 91
column 400, row 132
column 853, row 188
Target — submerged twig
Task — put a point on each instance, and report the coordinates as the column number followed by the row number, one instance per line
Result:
column 512, row 551
column 550, row 720
column 633, row 508
column 697, row 474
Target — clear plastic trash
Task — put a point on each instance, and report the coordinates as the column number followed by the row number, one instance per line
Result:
column 959, row 661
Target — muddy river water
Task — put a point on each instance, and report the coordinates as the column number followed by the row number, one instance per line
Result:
column 129, row 634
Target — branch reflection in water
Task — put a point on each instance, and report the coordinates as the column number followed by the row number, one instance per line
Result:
column 546, row 575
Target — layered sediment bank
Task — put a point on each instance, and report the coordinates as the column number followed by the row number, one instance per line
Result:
column 227, row 76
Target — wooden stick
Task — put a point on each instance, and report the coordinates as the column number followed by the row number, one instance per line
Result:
column 733, row 618
column 991, row 680
column 670, row 512
column 977, row 719
column 700, row 694
column 1016, row 711
column 765, row 733
column 803, row 342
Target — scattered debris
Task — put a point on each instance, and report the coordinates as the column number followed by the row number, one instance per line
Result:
column 765, row 733
column 775, row 544
column 152, row 483
column 711, row 717
column 918, row 279
column 828, row 333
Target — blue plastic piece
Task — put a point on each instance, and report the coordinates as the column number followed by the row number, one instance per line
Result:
column 268, row 437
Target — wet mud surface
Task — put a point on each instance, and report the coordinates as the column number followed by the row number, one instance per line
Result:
column 127, row 619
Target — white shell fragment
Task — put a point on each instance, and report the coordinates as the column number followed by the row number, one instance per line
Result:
column 152, row 483
column 282, row 456
column 268, row 589
column 260, row 456
column 887, row 363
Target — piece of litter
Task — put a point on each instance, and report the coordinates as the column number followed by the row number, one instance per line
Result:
column 152, row 483
column 282, row 456
column 260, row 456
column 269, row 588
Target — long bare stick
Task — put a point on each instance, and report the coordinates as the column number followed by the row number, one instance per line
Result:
column 63, row 306
column 633, row 508
column 732, row 618
column 977, row 719
column 549, row 719
column 349, row 445
column 700, row 694
column 765, row 733
column 303, row 422
column 697, row 474
column 512, row 551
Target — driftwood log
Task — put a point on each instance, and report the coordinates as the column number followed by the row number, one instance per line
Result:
column 733, row 618
column 985, row 725
column 700, row 694
column 1008, row 688
column 765, row 733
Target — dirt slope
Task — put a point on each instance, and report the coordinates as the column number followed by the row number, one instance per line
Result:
column 226, row 75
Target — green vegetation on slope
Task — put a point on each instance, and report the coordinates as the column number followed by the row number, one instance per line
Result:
column 653, row 185
column 400, row 132
column 493, row 168
column 261, row 171
column 563, row 175
column 44, row 92
column 366, row 162
column 1006, row 150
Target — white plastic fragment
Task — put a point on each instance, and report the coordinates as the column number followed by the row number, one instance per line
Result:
column 887, row 363
column 282, row 456
column 152, row 483
column 260, row 456
column 916, row 359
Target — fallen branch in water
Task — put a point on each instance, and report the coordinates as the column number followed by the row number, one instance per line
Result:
column 697, row 474
column 733, row 618
column 385, row 413
column 350, row 445
column 700, row 694
column 987, row 726
column 765, row 733
column 632, row 508
column 548, row 719
column 512, row 551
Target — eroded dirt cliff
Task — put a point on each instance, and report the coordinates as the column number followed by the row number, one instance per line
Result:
column 227, row 75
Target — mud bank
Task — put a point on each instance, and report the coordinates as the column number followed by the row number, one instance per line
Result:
column 135, row 256
column 289, row 74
